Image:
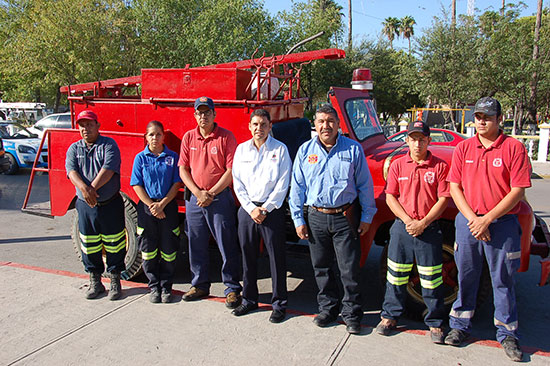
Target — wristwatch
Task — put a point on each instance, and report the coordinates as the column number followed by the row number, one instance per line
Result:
column 263, row 211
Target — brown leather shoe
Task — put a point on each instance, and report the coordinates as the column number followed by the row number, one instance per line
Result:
column 232, row 300
column 194, row 293
column 385, row 326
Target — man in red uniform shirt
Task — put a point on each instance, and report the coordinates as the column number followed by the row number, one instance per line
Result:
column 417, row 194
column 206, row 159
column 488, row 177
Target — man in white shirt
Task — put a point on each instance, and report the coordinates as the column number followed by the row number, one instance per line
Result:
column 261, row 175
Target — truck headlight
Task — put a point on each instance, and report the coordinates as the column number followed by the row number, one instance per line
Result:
column 24, row 149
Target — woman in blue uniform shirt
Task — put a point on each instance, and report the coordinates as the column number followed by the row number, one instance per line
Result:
column 156, row 181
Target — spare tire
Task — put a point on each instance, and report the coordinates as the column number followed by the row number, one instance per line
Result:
column 133, row 258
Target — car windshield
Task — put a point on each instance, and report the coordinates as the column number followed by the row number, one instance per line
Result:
column 362, row 117
column 19, row 132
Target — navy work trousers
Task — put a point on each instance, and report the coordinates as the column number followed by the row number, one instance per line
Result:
column 402, row 251
column 272, row 231
column 159, row 243
column 503, row 254
column 333, row 243
column 102, row 228
column 219, row 219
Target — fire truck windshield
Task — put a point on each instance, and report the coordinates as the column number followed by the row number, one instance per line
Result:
column 362, row 117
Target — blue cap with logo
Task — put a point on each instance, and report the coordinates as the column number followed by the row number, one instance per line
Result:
column 204, row 101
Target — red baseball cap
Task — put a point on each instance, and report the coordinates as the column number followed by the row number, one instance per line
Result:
column 86, row 114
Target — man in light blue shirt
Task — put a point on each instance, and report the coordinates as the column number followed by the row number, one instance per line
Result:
column 331, row 177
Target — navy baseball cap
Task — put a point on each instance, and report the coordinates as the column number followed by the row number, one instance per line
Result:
column 418, row 126
column 489, row 106
column 204, row 101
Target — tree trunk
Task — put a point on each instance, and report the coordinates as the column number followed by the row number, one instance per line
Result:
column 57, row 99
column 532, row 107
column 350, row 33
column 502, row 9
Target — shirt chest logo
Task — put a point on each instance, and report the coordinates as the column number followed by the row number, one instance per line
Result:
column 274, row 156
column 214, row 150
column 169, row 160
column 469, row 161
column 429, row 177
column 313, row 158
column 403, row 178
column 497, row 162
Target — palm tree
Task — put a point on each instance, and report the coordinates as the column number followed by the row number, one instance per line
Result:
column 391, row 28
column 407, row 28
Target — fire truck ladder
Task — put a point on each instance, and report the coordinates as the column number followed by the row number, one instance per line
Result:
column 42, row 209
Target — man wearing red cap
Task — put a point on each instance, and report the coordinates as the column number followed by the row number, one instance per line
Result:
column 93, row 166
column 417, row 194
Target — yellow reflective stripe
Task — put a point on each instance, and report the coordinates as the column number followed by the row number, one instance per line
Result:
column 429, row 270
column 115, row 248
column 168, row 257
column 397, row 281
column 139, row 230
column 431, row 284
column 149, row 255
column 398, row 267
column 176, row 231
column 89, row 238
column 91, row 250
column 113, row 237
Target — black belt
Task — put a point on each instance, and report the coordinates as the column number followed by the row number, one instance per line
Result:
column 104, row 203
column 258, row 204
column 332, row 210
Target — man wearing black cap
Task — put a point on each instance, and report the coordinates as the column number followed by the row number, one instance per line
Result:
column 417, row 194
column 488, row 177
column 93, row 167
column 206, row 160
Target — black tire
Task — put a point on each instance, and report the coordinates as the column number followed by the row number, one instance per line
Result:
column 13, row 166
column 415, row 307
column 133, row 258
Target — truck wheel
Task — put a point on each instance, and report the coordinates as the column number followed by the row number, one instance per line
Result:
column 133, row 255
column 12, row 167
column 415, row 307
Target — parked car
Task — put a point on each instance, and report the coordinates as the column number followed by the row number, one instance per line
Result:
column 21, row 147
column 439, row 137
column 57, row 120
column 4, row 162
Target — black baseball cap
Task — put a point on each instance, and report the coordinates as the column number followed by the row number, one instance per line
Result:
column 418, row 126
column 489, row 106
column 204, row 101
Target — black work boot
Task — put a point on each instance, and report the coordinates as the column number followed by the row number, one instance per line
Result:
column 96, row 287
column 115, row 292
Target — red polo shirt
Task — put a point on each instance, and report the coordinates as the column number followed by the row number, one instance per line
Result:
column 418, row 186
column 488, row 175
column 210, row 157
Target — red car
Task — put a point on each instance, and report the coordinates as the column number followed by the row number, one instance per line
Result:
column 439, row 137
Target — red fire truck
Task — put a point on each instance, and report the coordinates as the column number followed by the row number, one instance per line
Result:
column 126, row 105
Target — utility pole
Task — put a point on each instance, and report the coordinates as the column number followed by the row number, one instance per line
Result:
column 350, row 32
column 453, row 13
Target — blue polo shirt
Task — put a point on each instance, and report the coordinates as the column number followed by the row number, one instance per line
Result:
column 331, row 179
column 87, row 161
column 157, row 174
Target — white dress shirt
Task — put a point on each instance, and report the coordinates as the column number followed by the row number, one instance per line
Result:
column 261, row 175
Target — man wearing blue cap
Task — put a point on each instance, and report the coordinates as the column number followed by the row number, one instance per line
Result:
column 205, row 164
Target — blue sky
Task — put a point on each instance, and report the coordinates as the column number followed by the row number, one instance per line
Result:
column 368, row 15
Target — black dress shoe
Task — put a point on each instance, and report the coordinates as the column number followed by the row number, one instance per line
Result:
column 244, row 309
column 277, row 316
column 353, row 327
column 324, row 319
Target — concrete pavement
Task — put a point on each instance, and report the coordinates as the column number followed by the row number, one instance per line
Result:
column 46, row 321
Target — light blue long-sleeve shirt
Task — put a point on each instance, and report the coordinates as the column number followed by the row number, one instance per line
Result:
column 331, row 179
